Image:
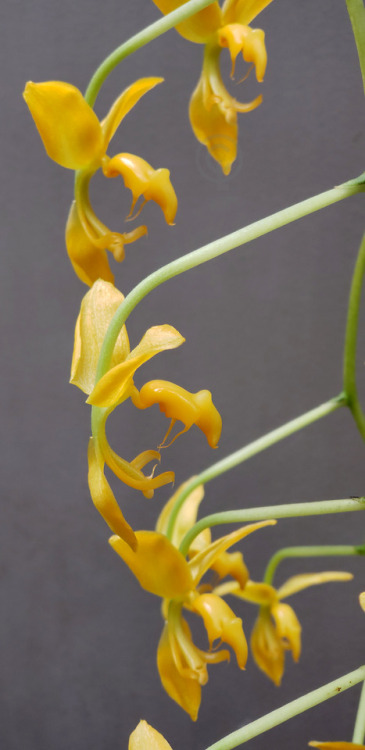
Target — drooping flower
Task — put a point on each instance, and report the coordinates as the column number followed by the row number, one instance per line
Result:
column 213, row 110
column 162, row 570
column 97, row 310
column 145, row 737
column 73, row 137
column 277, row 628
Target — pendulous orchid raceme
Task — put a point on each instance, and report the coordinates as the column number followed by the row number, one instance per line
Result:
column 146, row 737
column 73, row 137
column 277, row 628
column 97, row 310
column 213, row 111
column 162, row 570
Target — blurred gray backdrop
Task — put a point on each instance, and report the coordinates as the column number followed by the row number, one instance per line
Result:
column 264, row 328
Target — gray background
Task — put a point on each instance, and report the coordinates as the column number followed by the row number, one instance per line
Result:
column 264, row 328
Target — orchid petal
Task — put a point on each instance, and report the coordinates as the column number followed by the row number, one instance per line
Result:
column 184, row 690
column 288, row 627
column 200, row 26
column 158, row 566
column 221, row 623
column 258, row 593
column 97, row 310
column 304, row 580
column 70, row 131
column 116, row 383
column 187, row 514
column 362, row 600
column 146, row 737
column 336, row 745
column 125, row 102
column 201, row 562
column 267, row 648
column 104, row 500
column 89, row 261
column 242, row 11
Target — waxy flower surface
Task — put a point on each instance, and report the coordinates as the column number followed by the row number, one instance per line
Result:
column 73, row 137
column 277, row 628
column 161, row 569
column 213, row 110
column 97, row 310
column 146, row 737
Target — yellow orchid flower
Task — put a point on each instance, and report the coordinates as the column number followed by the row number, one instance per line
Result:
column 362, row 600
column 336, row 745
column 74, row 138
column 162, row 570
column 146, row 737
column 277, row 628
column 97, row 309
column 213, row 111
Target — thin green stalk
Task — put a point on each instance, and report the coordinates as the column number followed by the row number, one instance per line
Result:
column 349, row 368
column 359, row 729
column 213, row 250
column 294, row 708
column 234, row 459
column 356, row 12
column 137, row 41
column 290, row 510
column 329, row 550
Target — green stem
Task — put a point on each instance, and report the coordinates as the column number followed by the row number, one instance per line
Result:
column 359, row 729
column 139, row 40
column 356, row 12
column 234, row 459
column 298, row 706
column 349, row 370
column 290, row 510
column 213, row 250
column 330, row 550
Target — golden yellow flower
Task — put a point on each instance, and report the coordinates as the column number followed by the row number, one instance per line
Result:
column 362, row 600
column 277, row 628
column 97, row 309
column 162, row 570
column 336, row 745
column 73, row 137
column 146, row 737
column 213, row 111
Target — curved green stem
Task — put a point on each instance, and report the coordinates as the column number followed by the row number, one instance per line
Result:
column 329, row 550
column 359, row 729
column 356, row 12
column 349, row 369
column 213, row 250
column 139, row 40
column 294, row 708
column 290, row 510
column 234, row 459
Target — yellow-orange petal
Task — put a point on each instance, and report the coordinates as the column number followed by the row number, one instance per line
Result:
column 242, row 11
column 267, row 648
column 142, row 179
column 251, row 42
column 187, row 514
column 89, row 261
column 288, row 627
column 179, row 404
column 362, row 600
column 116, row 383
column 231, row 564
column 221, row 623
column 201, row 562
column 104, row 500
column 304, row 580
column 200, row 26
column 213, row 130
column 125, row 102
column 146, row 737
column 336, row 745
column 97, row 309
column 184, row 690
column 258, row 593
column 70, row 131
column 158, row 566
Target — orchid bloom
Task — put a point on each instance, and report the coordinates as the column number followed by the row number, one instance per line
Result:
column 146, row 737
column 213, row 111
column 162, row 570
column 362, row 600
column 339, row 745
column 97, row 310
column 277, row 628
column 74, row 138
